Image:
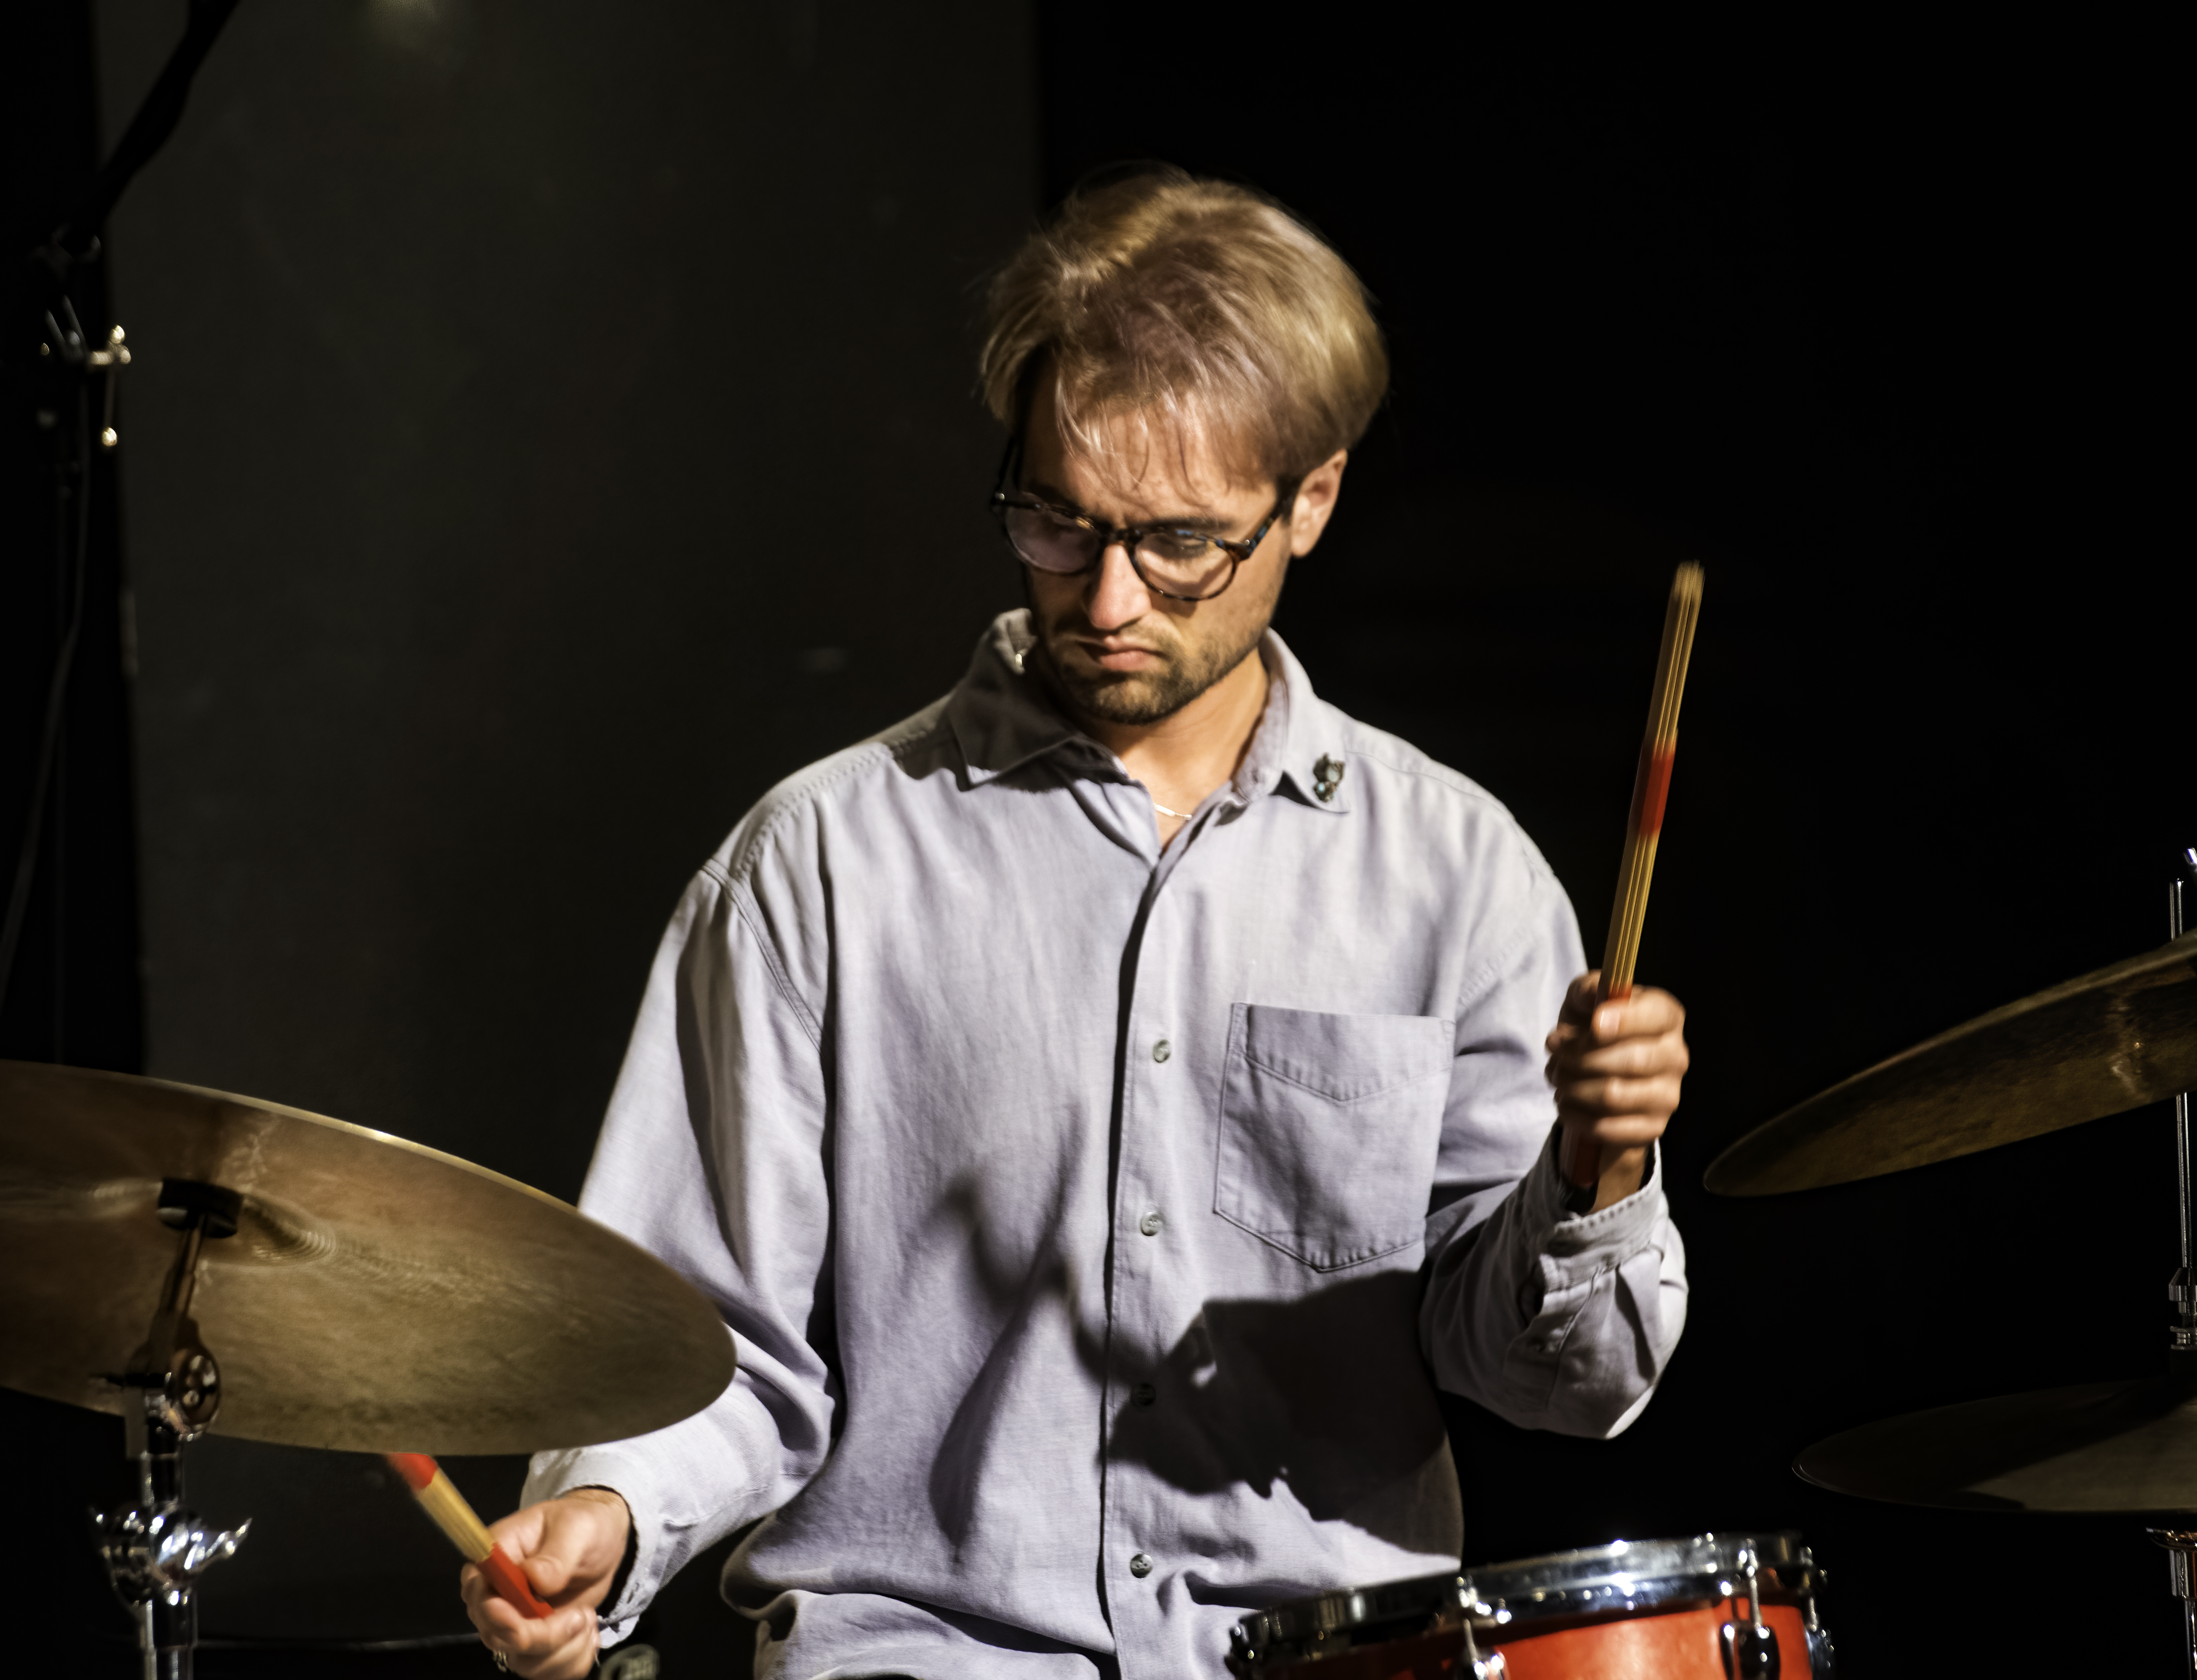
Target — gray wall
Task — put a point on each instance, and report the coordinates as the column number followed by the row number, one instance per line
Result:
column 550, row 425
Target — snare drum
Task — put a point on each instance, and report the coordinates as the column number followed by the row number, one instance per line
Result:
column 1719, row 1606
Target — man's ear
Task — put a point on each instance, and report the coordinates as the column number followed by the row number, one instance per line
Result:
column 1315, row 502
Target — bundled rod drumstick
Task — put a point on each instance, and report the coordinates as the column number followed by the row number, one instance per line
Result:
column 455, row 1517
column 1651, row 786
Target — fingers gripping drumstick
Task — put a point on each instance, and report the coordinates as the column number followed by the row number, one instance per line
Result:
column 1651, row 784
column 455, row 1517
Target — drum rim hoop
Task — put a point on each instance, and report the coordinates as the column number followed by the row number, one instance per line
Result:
column 1624, row 1574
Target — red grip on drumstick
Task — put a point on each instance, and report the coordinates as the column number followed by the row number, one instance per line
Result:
column 511, row 1585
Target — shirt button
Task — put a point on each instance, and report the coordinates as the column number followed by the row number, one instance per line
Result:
column 1143, row 1395
column 1151, row 1222
column 1162, row 1051
column 1141, row 1565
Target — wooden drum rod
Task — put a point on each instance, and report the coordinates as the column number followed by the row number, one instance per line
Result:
column 1651, row 786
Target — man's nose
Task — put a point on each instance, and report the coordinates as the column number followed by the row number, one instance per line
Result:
column 1116, row 596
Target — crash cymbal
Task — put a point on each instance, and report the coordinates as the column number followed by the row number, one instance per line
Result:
column 2100, row 1446
column 2110, row 1042
column 376, row 1295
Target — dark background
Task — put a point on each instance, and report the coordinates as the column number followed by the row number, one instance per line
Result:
column 551, row 427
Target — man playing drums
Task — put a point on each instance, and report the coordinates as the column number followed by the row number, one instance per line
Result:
column 1107, row 1105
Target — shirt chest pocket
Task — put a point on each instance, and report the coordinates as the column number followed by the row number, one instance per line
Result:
column 1329, row 1125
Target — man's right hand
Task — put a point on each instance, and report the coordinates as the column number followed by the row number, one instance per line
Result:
column 570, row 1549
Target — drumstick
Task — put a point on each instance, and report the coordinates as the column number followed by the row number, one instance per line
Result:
column 1651, row 786
column 442, row 1501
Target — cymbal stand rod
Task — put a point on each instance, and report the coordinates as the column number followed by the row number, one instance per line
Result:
column 2180, row 891
column 2180, row 1548
column 2182, row 1544
column 155, row 1550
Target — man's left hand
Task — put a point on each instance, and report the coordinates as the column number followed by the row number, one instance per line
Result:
column 1616, row 1066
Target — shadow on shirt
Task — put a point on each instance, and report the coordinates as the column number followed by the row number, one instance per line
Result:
column 1325, row 1393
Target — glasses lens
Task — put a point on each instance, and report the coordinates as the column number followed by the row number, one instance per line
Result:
column 1049, row 541
column 1183, row 563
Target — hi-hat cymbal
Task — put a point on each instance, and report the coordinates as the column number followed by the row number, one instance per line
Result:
column 2101, row 1044
column 2099, row 1446
column 377, row 1296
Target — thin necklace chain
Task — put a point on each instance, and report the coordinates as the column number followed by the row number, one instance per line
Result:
column 1169, row 811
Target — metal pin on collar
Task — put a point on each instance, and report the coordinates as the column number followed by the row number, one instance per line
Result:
column 1326, row 777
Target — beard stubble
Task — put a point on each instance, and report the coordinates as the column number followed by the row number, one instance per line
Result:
column 1137, row 698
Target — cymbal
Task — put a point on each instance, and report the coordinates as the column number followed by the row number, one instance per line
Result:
column 2098, row 1446
column 377, row 1296
column 2101, row 1044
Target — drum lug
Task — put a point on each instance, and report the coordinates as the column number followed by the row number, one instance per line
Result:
column 1749, row 1649
column 1823, row 1661
column 1749, row 1653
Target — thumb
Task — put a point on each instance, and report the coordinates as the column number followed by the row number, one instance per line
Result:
column 1580, row 997
column 552, row 1565
column 546, row 1544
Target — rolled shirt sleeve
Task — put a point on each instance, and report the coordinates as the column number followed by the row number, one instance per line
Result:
column 1550, row 1319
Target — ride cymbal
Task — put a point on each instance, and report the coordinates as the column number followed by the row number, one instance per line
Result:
column 2101, row 1044
column 376, row 1296
column 2098, row 1446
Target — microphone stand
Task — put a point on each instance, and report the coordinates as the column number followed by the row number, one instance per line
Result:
column 156, row 1549
column 41, row 330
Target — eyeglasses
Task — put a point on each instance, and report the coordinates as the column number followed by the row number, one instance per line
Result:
column 1184, row 565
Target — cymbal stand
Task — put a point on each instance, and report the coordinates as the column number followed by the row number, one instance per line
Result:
column 156, row 1550
column 2181, row 1358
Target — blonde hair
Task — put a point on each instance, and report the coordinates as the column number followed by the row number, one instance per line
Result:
column 1203, row 306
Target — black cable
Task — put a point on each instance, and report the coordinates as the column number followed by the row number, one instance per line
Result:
column 49, row 743
column 26, row 859
column 42, row 288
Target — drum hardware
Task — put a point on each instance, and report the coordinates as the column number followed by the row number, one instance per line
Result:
column 1669, row 1608
column 1410, row 1630
column 2117, row 1038
column 365, row 1293
column 1750, row 1649
column 156, row 1550
column 2182, row 1288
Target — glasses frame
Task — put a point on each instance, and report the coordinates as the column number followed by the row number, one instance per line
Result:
column 1238, row 549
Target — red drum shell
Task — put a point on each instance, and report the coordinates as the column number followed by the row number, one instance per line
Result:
column 1667, row 1644
column 1655, row 1610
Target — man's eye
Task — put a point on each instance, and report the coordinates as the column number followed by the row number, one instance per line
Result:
column 1175, row 545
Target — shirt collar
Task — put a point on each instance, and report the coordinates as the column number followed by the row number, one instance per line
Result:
column 1298, row 746
column 1001, row 715
column 1002, row 718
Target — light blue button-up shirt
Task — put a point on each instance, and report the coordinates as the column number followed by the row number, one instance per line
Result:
column 1095, row 1221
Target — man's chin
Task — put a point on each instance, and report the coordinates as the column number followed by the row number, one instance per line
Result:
column 1124, row 697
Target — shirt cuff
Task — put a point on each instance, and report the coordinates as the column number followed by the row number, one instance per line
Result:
column 1618, row 1230
column 554, row 1475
